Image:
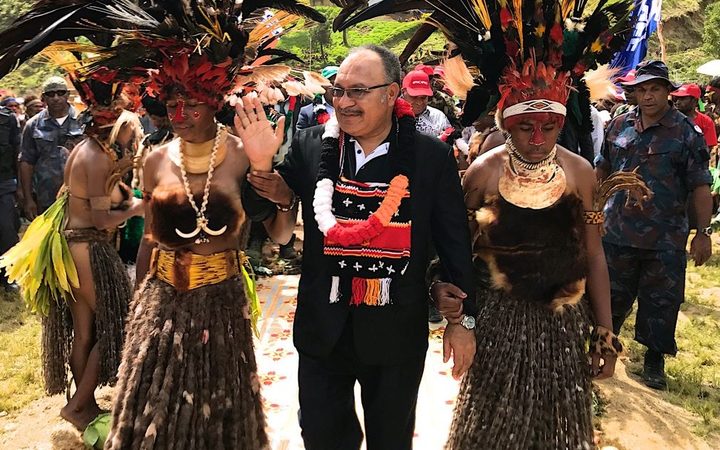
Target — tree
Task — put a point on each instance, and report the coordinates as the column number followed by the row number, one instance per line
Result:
column 711, row 36
column 321, row 35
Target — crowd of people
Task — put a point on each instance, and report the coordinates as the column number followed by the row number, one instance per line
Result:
column 489, row 203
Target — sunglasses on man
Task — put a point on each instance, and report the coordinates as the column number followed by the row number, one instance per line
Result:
column 59, row 93
column 354, row 93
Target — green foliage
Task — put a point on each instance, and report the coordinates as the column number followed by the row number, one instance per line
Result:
column 711, row 35
column 679, row 8
column 11, row 9
column 306, row 42
column 683, row 66
column 28, row 77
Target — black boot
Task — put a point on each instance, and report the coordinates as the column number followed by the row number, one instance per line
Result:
column 654, row 370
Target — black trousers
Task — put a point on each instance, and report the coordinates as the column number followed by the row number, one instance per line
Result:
column 327, row 402
column 9, row 226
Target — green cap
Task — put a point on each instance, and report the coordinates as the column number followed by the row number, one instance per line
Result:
column 329, row 71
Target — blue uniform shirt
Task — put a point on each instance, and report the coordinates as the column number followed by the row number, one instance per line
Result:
column 672, row 158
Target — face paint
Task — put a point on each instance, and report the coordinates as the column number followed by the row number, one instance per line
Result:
column 179, row 111
column 537, row 137
column 196, row 115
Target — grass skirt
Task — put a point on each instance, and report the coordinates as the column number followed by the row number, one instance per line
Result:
column 112, row 293
column 529, row 385
column 188, row 378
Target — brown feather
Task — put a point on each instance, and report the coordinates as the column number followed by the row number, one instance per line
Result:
column 600, row 82
column 275, row 73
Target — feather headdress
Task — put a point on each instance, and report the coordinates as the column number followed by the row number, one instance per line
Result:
column 528, row 55
column 195, row 48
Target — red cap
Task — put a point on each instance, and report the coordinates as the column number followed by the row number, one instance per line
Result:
column 427, row 69
column 687, row 90
column 630, row 76
column 439, row 71
column 417, row 83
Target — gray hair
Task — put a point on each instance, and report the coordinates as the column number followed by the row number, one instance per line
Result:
column 391, row 63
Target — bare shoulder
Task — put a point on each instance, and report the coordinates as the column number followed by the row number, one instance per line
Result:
column 487, row 163
column 574, row 162
column 580, row 175
column 482, row 174
column 235, row 145
column 236, row 149
column 158, row 153
column 91, row 155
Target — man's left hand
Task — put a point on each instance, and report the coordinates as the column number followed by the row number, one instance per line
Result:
column 459, row 343
column 449, row 300
column 700, row 249
column 271, row 186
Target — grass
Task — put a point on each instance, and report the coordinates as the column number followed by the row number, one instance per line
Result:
column 20, row 367
column 694, row 374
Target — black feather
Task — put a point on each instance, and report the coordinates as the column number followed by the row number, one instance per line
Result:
column 383, row 8
column 281, row 55
column 291, row 6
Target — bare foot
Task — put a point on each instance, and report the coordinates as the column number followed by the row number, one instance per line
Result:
column 80, row 419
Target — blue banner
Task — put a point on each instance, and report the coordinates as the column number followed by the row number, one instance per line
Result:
column 645, row 16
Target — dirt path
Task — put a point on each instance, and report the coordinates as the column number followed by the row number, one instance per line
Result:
column 39, row 427
column 637, row 418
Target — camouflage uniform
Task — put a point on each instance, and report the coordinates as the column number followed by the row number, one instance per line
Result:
column 645, row 249
column 46, row 145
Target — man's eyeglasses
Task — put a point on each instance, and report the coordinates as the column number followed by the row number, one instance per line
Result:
column 54, row 93
column 354, row 93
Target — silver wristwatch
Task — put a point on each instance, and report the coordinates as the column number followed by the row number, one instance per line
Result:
column 468, row 322
column 707, row 231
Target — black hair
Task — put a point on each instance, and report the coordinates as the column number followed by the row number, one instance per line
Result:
column 391, row 63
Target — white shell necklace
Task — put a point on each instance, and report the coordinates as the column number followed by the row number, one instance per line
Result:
column 202, row 222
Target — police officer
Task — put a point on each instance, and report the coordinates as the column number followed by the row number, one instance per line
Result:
column 46, row 142
column 645, row 247
column 9, row 224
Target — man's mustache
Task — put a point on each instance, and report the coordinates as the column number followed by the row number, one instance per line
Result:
column 347, row 111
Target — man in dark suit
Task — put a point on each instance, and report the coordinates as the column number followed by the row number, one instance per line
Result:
column 321, row 109
column 342, row 333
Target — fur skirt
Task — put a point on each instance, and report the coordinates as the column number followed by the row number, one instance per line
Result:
column 188, row 379
column 529, row 386
column 112, row 292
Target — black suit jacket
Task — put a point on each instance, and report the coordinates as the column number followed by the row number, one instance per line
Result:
column 382, row 334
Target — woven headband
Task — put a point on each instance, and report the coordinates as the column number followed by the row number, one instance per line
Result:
column 534, row 106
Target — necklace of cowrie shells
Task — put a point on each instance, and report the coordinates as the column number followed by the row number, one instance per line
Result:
column 202, row 222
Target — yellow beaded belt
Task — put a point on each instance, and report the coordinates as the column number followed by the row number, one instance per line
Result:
column 185, row 270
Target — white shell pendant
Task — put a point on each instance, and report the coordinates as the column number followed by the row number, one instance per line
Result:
column 202, row 225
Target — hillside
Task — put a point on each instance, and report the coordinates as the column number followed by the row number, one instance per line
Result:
column 684, row 25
